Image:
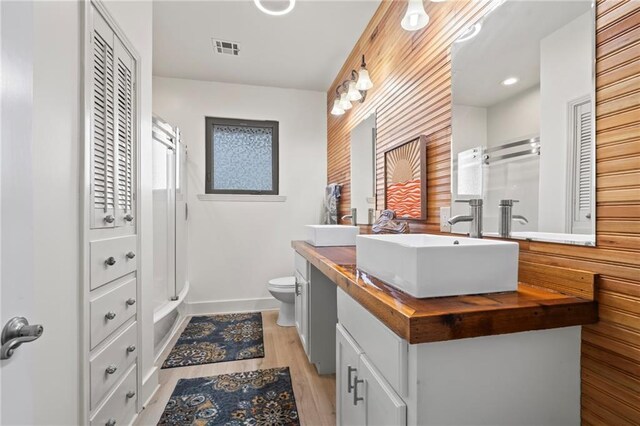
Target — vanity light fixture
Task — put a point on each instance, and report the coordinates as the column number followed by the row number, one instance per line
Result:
column 284, row 11
column 510, row 81
column 352, row 90
column 416, row 17
column 469, row 33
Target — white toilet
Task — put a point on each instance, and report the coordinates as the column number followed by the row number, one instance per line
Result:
column 284, row 289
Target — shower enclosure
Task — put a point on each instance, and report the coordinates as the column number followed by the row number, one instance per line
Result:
column 170, row 285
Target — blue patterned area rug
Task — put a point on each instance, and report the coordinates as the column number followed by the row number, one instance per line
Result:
column 218, row 338
column 261, row 397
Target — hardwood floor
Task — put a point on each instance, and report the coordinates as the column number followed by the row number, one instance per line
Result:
column 315, row 395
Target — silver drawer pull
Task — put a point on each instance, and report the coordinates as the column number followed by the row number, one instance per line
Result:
column 356, row 398
column 130, row 394
column 109, row 218
column 350, row 371
column 110, row 422
column 131, row 255
column 131, row 348
column 110, row 315
column 128, row 218
column 131, row 301
column 110, row 261
column 111, row 369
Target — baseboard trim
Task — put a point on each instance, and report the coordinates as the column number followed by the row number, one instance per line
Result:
column 176, row 326
column 230, row 306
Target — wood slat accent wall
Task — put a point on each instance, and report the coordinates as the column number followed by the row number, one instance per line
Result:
column 412, row 96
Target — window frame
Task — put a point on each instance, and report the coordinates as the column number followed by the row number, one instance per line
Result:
column 210, row 122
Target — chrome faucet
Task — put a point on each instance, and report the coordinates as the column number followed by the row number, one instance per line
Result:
column 353, row 216
column 506, row 216
column 474, row 217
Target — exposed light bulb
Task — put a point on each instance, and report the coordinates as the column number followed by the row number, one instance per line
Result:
column 416, row 17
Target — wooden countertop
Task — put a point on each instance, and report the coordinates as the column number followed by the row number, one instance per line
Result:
column 531, row 307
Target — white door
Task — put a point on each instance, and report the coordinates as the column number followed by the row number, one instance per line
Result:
column 382, row 405
column 16, row 215
column 349, row 412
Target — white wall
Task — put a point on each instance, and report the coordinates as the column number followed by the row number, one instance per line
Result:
column 236, row 247
column 565, row 75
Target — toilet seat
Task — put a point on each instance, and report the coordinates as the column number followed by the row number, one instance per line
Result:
column 282, row 283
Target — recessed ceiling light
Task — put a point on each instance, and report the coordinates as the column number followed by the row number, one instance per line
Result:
column 280, row 12
column 470, row 33
column 510, row 81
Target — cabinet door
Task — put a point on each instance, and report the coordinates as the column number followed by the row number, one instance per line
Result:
column 381, row 404
column 348, row 411
column 301, row 310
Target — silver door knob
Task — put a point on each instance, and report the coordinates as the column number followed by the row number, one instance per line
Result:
column 131, row 394
column 110, row 422
column 16, row 332
column 110, row 261
column 109, row 218
column 131, row 348
column 110, row 315
column 131, row 255
column 111, row 369
column 131, row 301
column 128, row 218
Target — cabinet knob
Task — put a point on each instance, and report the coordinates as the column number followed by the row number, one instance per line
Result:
column 110, row 315
column 130, row 394
column 131, row 348
column 356, row 398
column 128, row 218
column 110, row 261
column 109, row 218
column 110, row 422
column 111, row 369
column 131, row 301
column 131, row 255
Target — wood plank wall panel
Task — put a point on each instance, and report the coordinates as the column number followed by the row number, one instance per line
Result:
column 412, row 95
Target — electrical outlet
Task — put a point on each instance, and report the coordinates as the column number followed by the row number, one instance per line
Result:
column 445, row 214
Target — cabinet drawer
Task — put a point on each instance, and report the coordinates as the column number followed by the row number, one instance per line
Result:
column 108, row 366
column 111, row 259
column 302, row 266
column 110, row 310
column 120, row 406
column 387, row 350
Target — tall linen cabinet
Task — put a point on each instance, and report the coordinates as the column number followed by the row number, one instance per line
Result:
column 111, row 243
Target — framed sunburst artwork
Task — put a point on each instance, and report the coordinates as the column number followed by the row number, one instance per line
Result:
column 405, row 177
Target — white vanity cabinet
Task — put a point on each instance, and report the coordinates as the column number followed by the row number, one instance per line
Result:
column 315, row 315
column 511, row 379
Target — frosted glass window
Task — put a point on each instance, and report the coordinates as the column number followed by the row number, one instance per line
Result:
column 242, row 156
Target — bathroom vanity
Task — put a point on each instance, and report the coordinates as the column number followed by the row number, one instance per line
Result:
column 501, row 358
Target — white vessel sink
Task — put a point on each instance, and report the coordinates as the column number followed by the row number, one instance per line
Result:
column 332, row 235
column 425, row 265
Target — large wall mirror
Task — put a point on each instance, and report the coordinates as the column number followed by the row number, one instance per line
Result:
column 363, row 171
column 523, row 120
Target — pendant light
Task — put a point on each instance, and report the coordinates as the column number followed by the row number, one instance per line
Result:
column 353, row 94
column 336, row 110
column 415, row 18
column 364, row 82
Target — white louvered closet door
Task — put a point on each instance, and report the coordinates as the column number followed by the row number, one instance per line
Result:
column 583, row 185
column 125, row 176
column 113, row 131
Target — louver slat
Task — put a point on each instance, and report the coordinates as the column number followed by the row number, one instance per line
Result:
column 126, row 146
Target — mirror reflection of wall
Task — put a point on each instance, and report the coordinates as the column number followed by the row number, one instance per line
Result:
column 522, row 125
column 363, row 158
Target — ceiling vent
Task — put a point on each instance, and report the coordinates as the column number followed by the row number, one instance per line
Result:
column 223, row 47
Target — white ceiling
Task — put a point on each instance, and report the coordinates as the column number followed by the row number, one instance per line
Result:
column 304, row 49
column 507, row 45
